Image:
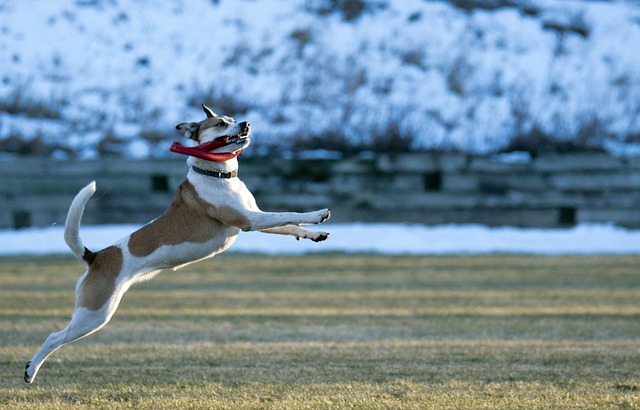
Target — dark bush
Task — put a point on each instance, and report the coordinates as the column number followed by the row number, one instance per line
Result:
column 349, row 9
column 21, row 102
column 537, row 141
column 111, row 145
column 219, row 101
column 33, row 147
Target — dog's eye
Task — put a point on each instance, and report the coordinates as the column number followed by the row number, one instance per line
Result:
column 221, row 124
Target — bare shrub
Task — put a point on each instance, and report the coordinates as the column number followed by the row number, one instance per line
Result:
column 633, row 138
column 36, row 146
column 415, row 58
column 331, row 141
column 155, row 136
column 458, row 74
column 352, row 9
column 390, row 139
column 22, row 102
column 302, row 36
column 112, row 145
column 574, row 25
column 349, row 9
column 156, row 139
column 537, row 141
column 219, row 101
column 471, row 5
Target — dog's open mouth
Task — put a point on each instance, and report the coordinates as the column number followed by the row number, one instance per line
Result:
column 235, row 139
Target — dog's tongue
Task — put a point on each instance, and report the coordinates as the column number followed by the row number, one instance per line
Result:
column 203, row 151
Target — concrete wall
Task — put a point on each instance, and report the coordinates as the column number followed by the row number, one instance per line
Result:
column 548, row 191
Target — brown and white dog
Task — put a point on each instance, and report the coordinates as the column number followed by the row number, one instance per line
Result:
column 208, row 211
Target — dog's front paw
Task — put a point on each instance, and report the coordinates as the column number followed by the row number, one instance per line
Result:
column 324, row 215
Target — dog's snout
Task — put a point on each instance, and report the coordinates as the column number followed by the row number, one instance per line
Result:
column 245, row 125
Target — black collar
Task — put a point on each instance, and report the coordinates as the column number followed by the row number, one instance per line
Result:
column 216, row 174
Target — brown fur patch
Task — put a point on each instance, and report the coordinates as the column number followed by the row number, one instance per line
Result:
column 230, row 217
column 188, row 219
column 100, row 282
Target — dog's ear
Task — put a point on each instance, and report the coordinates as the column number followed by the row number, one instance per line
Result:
column 208, row 111
column 189, row 128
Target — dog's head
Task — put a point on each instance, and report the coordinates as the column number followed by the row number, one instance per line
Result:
column 219, row 132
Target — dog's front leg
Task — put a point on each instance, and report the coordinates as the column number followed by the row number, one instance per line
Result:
column 249, row 219
column 298, row 232
column 236, row 206
column 258, row 220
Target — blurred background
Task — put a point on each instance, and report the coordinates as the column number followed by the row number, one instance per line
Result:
column 499, row 112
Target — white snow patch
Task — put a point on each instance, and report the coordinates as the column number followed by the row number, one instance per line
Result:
column 383, row 238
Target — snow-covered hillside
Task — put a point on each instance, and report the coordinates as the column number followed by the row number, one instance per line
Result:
column 99, row 77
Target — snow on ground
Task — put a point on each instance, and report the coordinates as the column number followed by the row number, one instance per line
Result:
column 393, row 239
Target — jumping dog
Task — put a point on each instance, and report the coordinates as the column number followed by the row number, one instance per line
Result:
column 208, row 211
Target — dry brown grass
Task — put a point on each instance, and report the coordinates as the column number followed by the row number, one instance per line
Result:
column 336, row 331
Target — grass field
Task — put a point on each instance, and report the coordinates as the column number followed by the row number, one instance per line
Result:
column 335, row 331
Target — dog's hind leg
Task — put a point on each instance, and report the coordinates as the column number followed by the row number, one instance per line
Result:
column 298, row 232
column 97, row 298
column 83, row 323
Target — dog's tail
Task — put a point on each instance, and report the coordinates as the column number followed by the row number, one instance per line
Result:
column 72, row 225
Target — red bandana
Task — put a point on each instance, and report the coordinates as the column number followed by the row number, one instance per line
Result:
column 203, row 151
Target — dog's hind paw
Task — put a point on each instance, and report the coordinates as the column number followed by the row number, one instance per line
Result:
column 27, row 377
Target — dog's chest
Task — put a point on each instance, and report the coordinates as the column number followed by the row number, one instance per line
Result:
column 217, row 193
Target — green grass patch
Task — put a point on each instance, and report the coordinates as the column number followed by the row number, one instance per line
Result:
column 335, row 331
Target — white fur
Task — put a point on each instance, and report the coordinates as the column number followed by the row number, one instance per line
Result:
column 72, row 225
